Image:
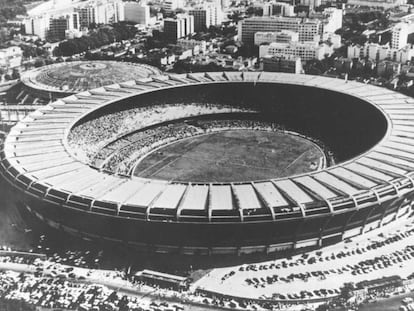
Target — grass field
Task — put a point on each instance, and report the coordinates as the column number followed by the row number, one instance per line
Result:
column 236, row 155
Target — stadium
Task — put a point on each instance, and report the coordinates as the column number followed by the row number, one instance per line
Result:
column 133, row 162
column 48, row 83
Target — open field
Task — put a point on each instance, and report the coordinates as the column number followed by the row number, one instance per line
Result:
column 235, row 155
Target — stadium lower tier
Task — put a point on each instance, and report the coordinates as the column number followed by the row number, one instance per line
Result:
column 204, row 238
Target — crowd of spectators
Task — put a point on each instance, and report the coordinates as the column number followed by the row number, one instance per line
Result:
column 114, row 142
column 87, row 138
column 140, row 142
column 121, row 155
column 214, row 125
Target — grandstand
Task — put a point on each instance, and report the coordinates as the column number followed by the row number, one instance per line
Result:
column 369, row 129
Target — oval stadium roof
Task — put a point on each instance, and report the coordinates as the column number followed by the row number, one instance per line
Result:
column 36, row 156
column 78, row 76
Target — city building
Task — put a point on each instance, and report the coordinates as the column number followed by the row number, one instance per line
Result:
column 75, row 33
column 307, row 28
column 179, row 27
column 310, row 30
column 11, row 57
column 100, row 12
column 283, row 36
column 331, row 19
column 267, row 9
column 305, row 50
column 87, row 15
column 283, row 9
column 197, row 46
column 385, row 4
column 332, row 38
column 379, row 52
column 282, row 63
column 38, row 26
column 59, row 26
column 278, row 8
column 224, row 3
column 311, row 3
column 172, row 5
column 137, row 13
column 400, row 34
column 206, row 16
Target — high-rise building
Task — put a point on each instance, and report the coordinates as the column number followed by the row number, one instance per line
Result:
column 179, row 27
column 38, row 26
column 206, row 16
column 306, row 28
column 137, row 13
column 278, row 8
column 399, row 35
column 100, row 12
column 172, row 5
column 283, row 9
column 267, row 9
column 59, row 25
column 87, row 15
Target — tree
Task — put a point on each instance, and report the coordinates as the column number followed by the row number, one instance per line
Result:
column 346, row 290
column 315, row 67
column 322, row 307
column 15, row 74
column 39, row 63
column 255, row 11
column 10, row 8
column 102, row 36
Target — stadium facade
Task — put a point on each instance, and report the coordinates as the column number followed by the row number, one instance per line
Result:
column 368, row 189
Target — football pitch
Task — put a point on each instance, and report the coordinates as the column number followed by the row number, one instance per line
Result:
column 232, row 156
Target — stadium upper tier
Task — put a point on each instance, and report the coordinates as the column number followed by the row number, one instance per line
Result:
column 37, row 159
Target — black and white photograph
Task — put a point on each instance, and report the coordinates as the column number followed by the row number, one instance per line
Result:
column 201, row 155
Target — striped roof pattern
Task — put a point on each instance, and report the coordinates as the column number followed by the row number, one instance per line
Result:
column 36, row 155
column 78, row 76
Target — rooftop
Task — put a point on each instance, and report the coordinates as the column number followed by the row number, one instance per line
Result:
column 78, row 76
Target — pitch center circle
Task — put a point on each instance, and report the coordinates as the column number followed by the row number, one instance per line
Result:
column 92, row 66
